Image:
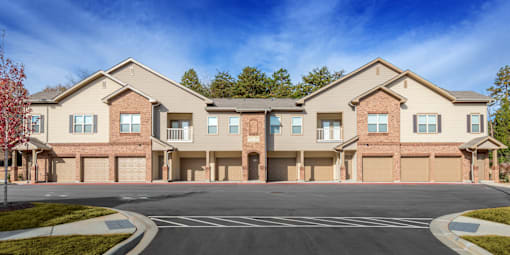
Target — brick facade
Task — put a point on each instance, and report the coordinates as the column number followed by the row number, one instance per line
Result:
column 254, row 141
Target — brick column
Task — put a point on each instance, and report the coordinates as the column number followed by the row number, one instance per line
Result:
column 302, row 166
column 495, row 166
column 432, row 157
column 79, row 176
column 14, row 166
column 148, row 165
column 33, row 169
column 112, row 176
column 396, row 167
column 164, row 170
column 207, row 166
column 244, row 160
column 343, row 171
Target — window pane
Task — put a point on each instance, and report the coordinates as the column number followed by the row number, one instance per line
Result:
column 88, row 119
column 212, row 121
column 275, row 121
column 383, row 128
column 234, row 121
column 475, row 128
column 124, row 128
column 432, row 128
column 432, row 119
column 88, row 129
column 125, row 118
column 234, row 129
column 135, row 128
column 135, row 118
column 475, row 119
column 297, row 121
column 212, row 129
column 372, row 127
column 372, row 118
column 296, row 129
column 383, row 118
column 275, row 129
column 422, row 128
column 422, row 119
column 78, row 128
column 78, row 119
column 35, row 120
column 35, row 128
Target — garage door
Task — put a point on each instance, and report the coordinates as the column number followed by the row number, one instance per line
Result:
column 193, row 169
column 95, row 169
column 377, row 169
column 447, row 169
column 414, row 169
column 318, row 169
column 229, row 169
column 131, row 169
column 282, row 169
column 64, row 169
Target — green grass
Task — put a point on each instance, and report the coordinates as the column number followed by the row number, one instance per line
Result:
column 497, row 245
column 500, row 214
column 56, row 245
column 47, row 214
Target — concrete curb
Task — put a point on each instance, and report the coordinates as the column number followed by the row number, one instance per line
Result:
column 146, row 230
column 439, row 228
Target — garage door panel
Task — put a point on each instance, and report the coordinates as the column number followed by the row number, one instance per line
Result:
column 64, row 169
column 282, row 169
column 131, row 169
column 377, row 169
column 193, row 169
column 318, row 169
column 447, row 169
column 414, row 169
column 96, row 169
column 229, row 169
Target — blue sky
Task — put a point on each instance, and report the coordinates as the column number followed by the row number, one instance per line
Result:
column 459, row 45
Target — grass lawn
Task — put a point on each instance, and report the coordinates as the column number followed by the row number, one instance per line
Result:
column 76, row 244
column 500, row 214
column 497, row 245
column 48, row 214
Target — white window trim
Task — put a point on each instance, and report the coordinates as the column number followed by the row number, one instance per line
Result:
column 377, row 123
column 83, row 124
column 32, row 123
column 280, row 125
column 130, row 123
column 479, row 123
column 217, row 124
column 238, row 125
column 426, row 123
column 292, row 125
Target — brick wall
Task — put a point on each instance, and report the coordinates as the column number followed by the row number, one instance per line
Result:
column 254, row 141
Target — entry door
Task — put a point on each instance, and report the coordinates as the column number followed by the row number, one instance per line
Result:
column 253, row 167
column 481, row 166
column 331, row 129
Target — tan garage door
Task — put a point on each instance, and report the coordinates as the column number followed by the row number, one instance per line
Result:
column 96, row 169
column 377, row 169
column 131, row 169
column 281, row 169
column 193, row 169
column 229, row 169
column 414, row 169
column 318, row 169
column 447, row 169
column 64, row 169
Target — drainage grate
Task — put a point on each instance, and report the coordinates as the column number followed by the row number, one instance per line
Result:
column 118, row 224
column 464, row 227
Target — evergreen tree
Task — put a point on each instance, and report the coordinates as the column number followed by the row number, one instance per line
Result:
column 191, row 81
column 501, row 88
column 316, row 79
column 501, row 119
column 222, row 85
column 280, row 84
column 251, row 82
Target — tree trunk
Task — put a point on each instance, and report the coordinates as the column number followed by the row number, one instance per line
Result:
column 6, row 160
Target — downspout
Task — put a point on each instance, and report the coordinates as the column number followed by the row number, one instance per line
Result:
column 472, row 164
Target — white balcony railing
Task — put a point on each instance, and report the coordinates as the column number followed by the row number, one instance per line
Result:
column 329, row 134
column 180, row 134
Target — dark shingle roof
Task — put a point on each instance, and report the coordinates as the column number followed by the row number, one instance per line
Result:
column 255, row 103
column 43, row 96
column 469, row 96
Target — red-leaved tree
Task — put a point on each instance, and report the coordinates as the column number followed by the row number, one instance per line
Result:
column 15, row 107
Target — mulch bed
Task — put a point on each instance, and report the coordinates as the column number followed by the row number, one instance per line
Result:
column 15, row 206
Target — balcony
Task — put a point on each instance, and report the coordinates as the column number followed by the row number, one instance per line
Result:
column 180, row 134
column 329, row 134
column 329, row 127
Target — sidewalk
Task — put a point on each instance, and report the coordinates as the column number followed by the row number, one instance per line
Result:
column 449, row 228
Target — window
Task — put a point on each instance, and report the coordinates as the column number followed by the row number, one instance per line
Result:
column 274, row 122
column 83, row 123
column 129, row 123
column 36, row 123
column 212, row 125
column 427, row 123
column 297, row 125
column 377, row 123
column 475, row 123
column 233, row 125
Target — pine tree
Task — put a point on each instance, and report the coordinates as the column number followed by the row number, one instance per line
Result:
column 501, row 119
column 316, row 79
column 191, row 81
column 251, row 82
column 280, row 84
column 222, row 85
column 501, row 88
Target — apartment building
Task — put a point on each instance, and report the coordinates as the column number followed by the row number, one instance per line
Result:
column 376, row 124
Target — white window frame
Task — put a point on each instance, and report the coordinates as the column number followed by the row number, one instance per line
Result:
column 217, row 130
column 83, row 124
column 300, row 125
column 230, row 125
column 271, row 125
column 38, row 123
column 473, row 124
column 131, row 123
column 377, row 123
column 427, row 115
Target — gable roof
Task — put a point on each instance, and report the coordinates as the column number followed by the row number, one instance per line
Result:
column 470, row 96
column 341, row 146
column 131, row 60
column 32, row 144
column 253, row 104
column 44, row 96
column 349, row 75
column 474, row 143
column 423, row 81
column 391, row 92
column 84, row 82
column 128, row 87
